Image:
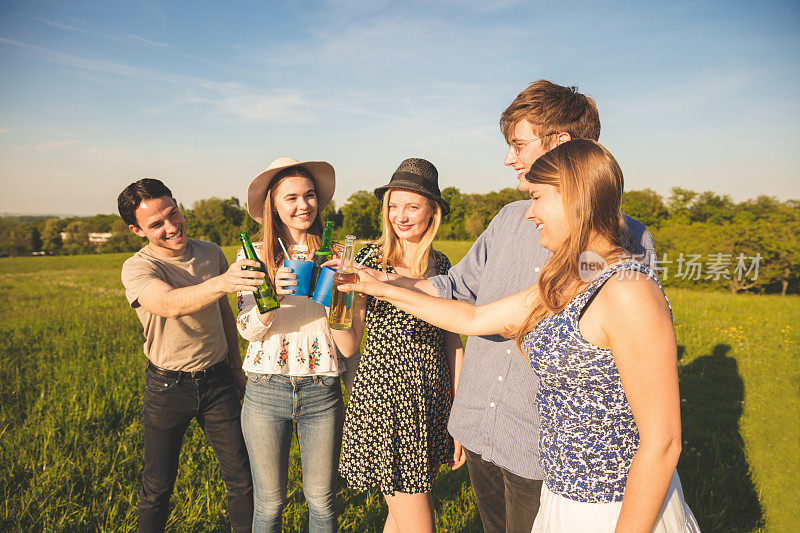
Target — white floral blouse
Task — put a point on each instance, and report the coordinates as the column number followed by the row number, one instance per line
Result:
column 298, row 342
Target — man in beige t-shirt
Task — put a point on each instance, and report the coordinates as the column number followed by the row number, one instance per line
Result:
column 189, row 342
column 178, row 287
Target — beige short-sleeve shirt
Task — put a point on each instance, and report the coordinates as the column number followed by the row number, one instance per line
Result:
column 191, row 342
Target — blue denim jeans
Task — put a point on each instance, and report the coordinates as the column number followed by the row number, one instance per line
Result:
column 273, row 403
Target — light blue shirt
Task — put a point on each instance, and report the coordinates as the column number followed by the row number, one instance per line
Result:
column 494, row 413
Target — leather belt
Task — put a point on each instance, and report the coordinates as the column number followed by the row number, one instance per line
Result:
column 213, row 370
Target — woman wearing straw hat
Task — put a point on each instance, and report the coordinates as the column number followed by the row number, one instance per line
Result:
column 292, row 365
column 395, row 434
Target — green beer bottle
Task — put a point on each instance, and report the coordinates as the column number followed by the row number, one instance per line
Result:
column 266, row 297
column 321, row 256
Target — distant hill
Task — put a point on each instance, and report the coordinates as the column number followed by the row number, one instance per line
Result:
column 23, row 218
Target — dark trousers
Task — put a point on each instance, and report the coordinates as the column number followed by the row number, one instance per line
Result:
column 507, row 502
column 169, row 405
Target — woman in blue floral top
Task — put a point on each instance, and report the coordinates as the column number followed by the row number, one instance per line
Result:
column 598, row 331
column 292, row 364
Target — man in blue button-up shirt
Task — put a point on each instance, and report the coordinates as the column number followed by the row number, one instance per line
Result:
column 494, row 416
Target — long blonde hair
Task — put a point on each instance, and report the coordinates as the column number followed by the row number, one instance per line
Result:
column 590, row 182
column 273, row 227
column 391, row 246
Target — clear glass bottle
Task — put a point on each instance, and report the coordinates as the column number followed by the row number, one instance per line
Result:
column 341, row 311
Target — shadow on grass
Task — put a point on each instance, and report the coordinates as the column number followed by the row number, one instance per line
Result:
column 452, row 491
column 713, row 467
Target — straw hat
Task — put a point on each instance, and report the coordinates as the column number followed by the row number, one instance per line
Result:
column 419, row 176
column 321, row 173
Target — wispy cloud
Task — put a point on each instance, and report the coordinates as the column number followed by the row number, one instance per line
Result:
column 400, row 49
column 123, row 37
column 109, row 67
column 54, row 145
column 688, row 94
column 262, row 107
column 227, row 98
column 402, row 60
column 404, row 56
column 480, row 5
column 132, row 39
column 151, row 5
column 108, row 153
column 358, row 6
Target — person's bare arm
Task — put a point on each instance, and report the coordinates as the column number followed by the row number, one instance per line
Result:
column 415, row 284
column 162, row 299
column 459, row 317
column 423, row 286
column 455, row 357
column 638, row 326
column 234, row 355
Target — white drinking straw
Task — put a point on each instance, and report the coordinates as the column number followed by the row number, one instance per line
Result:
column 284, row 249
column 365, row 258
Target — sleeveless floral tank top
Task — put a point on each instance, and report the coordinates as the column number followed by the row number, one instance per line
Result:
column 588, row 436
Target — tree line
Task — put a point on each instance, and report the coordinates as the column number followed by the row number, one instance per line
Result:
column 703, row 240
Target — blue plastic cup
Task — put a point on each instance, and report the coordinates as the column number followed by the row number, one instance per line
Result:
column 324, row 288
column 303, row 270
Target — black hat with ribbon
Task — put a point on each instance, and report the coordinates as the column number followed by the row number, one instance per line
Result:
column 419, row 176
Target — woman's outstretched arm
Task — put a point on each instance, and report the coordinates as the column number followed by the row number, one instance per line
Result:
column 459, row 317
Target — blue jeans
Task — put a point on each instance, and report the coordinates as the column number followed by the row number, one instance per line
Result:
column 271, row 404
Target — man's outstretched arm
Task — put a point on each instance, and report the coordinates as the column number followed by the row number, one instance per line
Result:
column 161, row 299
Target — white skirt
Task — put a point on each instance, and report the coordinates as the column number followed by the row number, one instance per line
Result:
column 560, row 514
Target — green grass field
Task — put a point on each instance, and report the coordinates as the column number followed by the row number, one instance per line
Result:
column 71, row 380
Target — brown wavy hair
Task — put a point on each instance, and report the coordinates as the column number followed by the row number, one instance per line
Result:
column 590, row 182
column 273, row 227
column 551, row 108
column 391, row 247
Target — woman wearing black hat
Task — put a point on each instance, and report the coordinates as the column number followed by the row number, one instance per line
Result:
column 597, row 328
column 395, row 433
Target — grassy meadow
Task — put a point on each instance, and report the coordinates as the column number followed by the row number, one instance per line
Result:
column 72, row 375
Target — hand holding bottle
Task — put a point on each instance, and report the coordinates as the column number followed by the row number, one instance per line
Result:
column 237, row 279
column 333, row 263
column 368, row 283
column 266, row 298
column 377, row 274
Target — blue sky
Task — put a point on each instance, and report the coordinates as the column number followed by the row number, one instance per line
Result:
column 94, row 95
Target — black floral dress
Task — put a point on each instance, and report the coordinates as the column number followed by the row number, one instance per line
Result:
column 395, row 429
